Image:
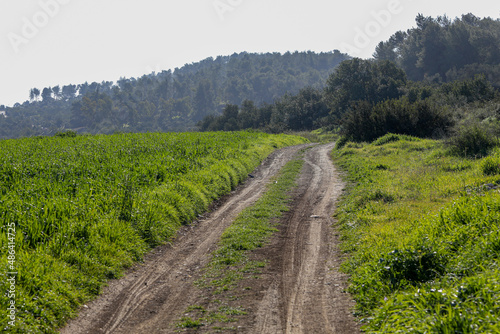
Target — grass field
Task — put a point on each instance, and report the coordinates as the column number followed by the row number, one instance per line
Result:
column 421, row 227
column 77, row 211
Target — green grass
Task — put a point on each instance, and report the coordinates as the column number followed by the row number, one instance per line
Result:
column 197, row 316
column 422, row 233
column 251, row 229
column 187, row 322
column 85, row 208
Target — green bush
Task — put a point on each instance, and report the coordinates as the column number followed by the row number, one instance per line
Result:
column 471, row 140
column 68, row 134
column 477, row 89
column 366, row 122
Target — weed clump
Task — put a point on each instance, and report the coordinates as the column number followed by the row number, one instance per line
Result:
column 411, row 266
column 490, row 166
column 380, row 195
column 341, row 142
column 391, row 137
column 187, row 322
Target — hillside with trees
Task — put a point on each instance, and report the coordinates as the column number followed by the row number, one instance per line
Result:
column 444, row 50
column 365, row 99
column 170, row 100
column 412, row 86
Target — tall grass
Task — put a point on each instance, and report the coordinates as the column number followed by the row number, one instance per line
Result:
column 425, row 261
column 87, row 207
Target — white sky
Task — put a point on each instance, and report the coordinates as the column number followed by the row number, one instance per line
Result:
column 94, row 40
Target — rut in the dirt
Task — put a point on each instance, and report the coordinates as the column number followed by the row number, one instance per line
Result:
column 300, row 291
column 306, row 286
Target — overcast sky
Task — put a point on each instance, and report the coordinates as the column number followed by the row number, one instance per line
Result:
column 49, row 42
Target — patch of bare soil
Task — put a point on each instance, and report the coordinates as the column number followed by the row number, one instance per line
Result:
column 304, row 290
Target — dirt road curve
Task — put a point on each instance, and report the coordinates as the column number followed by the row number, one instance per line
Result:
column 300, row 291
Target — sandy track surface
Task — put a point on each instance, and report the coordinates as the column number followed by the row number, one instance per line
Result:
column 300, row 291
column 306, row 291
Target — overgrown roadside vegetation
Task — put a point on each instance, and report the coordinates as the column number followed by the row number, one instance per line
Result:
column 231, row 263
column 85, row 208
column 421, row 224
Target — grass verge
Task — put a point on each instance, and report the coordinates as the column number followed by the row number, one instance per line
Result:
column 422, row 229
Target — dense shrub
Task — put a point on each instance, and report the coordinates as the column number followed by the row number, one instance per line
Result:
column 477, row 89
column 69, row 134
column 365, row 122
column 471, row 140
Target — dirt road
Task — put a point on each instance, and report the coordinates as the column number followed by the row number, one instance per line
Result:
column 300, row 291
column 305, row 283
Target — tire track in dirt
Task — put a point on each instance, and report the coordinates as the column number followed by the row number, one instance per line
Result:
column 304, row 279
column 151, row 296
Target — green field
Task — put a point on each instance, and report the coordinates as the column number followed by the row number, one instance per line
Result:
column 421, row 227
column 85, row 208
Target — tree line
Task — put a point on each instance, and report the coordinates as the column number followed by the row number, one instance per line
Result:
column 363, row 100
column 424, row 96
column 170, row 100
column 412, row 85
column 444, row 50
